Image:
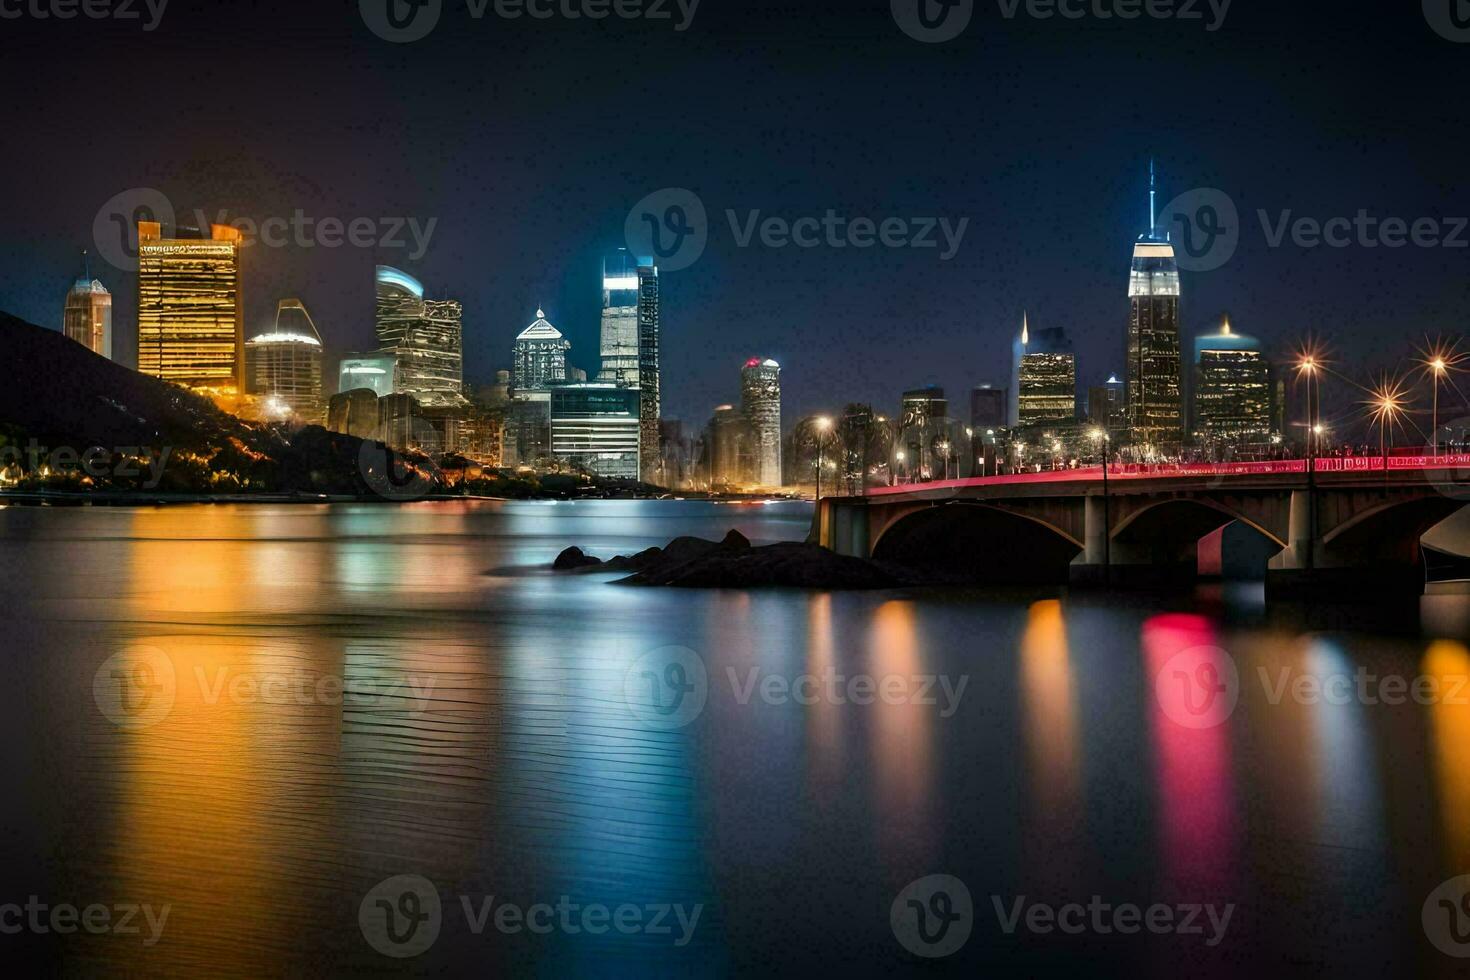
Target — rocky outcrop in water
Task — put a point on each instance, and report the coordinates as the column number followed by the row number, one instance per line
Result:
column 733, row 563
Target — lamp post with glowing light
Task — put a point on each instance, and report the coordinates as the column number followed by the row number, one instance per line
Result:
column 1438, row 366
column 1387, row 404
column 1100, row 436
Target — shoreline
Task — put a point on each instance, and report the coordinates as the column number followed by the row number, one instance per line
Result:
column 135, row 499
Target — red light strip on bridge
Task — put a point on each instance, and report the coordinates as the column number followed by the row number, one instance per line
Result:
column 1174, row 471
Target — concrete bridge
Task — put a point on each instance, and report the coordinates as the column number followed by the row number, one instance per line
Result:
column 1341, row 525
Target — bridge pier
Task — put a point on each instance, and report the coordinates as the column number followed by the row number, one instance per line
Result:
column 1121, row 563
column 842, row 526
column 1309, row 569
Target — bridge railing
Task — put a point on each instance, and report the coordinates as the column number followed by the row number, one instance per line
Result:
column 1203, row 471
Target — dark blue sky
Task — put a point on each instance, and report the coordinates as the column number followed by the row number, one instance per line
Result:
column 529, row 141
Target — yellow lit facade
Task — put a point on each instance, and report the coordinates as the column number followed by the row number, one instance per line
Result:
column 191, row 327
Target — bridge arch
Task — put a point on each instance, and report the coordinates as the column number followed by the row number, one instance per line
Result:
column 1388, row 530
column 980, row 543
column 1167, row 532
column 1153, row 510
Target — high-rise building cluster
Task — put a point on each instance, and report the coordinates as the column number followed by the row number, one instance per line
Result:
column 1224, row 403
column 410, row 392
column 609, row 427
column 743, row 445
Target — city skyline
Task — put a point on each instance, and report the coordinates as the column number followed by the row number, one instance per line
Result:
column 541, row 216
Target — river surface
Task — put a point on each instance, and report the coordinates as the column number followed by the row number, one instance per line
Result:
column 540, row 775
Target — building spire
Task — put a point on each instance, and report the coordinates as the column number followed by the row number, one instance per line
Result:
column 1153, row 197
column 1025, row 329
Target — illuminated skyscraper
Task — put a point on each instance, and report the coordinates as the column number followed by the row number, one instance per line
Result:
column 1107, row 406
column 540, row 355
column 285, row 364
column 1155, row 398
column 650, row 393
column 426, row 336
column 1232, row 389
column 596, row 427
column 760, row 404
column 620, row 297
column 1046, row 378
column 190, row 316
column 87, row 318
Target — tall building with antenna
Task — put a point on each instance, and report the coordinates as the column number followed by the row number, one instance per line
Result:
column 1154, row 393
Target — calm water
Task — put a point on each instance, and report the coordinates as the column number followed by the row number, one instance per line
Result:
column 174, row 737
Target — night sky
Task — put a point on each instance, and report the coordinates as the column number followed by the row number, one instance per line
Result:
column 529, row 141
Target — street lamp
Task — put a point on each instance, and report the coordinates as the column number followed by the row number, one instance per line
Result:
column 943, row 447
column 1309, row 366
column 1438, row 366
column 900, row 456
column 1387, row 404
column 1101, row 436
